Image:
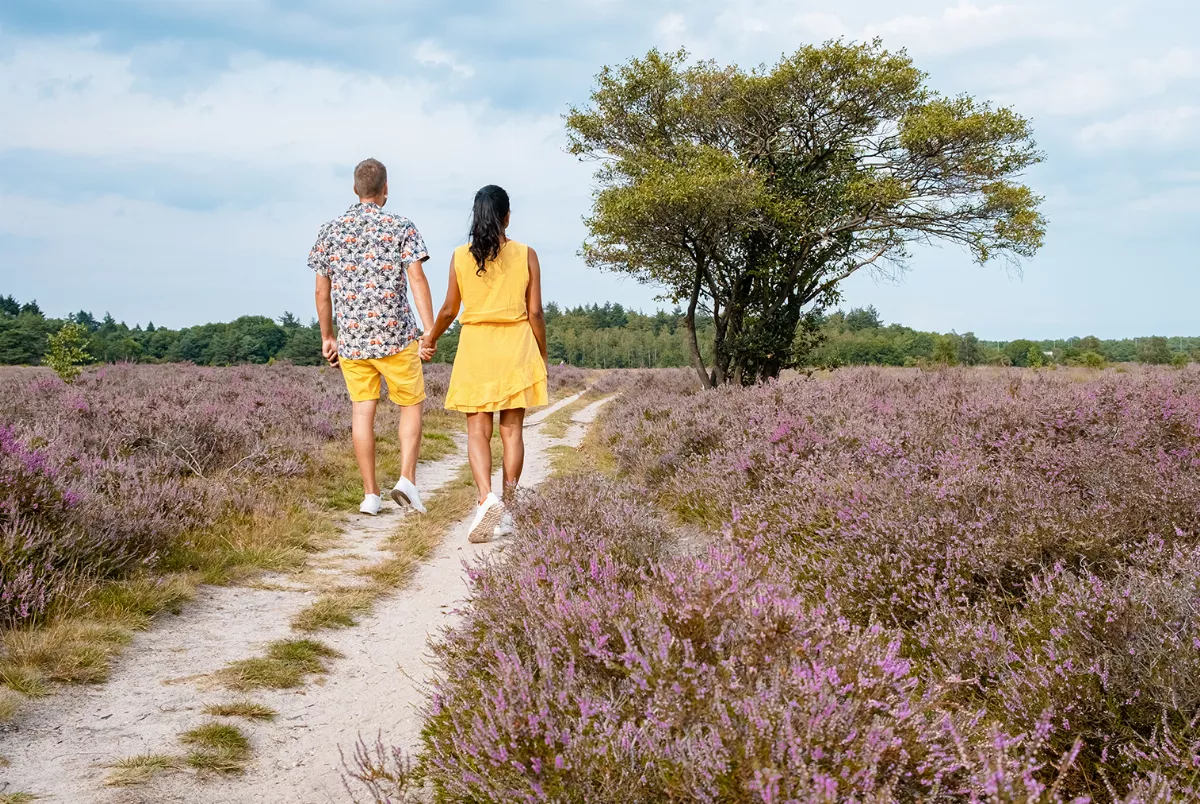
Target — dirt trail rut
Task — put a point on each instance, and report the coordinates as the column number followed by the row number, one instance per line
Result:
column 64, row 744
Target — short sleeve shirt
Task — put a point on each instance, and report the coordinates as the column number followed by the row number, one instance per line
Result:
column 366, row 253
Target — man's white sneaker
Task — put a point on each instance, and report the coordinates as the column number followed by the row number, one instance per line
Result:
column 371, row 504
column 506, row 527
column 406, row 493
column 487, row 517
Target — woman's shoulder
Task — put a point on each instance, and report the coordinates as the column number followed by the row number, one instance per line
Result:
column 519, row 249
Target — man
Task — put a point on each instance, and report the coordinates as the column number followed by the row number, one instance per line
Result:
column 365, row 261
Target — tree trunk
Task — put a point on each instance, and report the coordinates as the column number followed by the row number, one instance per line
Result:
column 694, row 344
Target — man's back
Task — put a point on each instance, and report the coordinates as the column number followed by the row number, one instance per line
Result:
column 365, row 252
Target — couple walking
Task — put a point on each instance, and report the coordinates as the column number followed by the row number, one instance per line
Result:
column 366, row 260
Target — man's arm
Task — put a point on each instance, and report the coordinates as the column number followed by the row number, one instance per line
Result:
column 325, row 316
column 445, row 316
column 419, row 284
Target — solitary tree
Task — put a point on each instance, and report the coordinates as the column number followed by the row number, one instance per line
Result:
column 970, row 353
column 752, row 195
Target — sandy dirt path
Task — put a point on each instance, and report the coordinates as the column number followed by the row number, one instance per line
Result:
column 64, row 744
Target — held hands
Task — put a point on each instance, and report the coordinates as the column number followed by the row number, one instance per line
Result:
column 329, row 350
column 428, row 348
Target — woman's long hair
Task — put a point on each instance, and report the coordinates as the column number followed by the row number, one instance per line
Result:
column 487, row 225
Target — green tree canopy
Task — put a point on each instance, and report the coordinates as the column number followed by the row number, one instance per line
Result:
column 1155, row 351
column 753, row 195
column 861, row 318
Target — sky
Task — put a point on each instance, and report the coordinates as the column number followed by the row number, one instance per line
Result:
column 172, row 160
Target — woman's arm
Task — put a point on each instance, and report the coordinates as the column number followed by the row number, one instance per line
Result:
column 445, row 316
column 533, row 302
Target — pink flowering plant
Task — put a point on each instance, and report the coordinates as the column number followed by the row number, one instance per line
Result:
column 875, row 586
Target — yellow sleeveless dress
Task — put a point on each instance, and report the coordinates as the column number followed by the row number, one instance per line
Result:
column 498, row 365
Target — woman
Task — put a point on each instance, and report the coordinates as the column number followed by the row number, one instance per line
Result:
column 501, row 362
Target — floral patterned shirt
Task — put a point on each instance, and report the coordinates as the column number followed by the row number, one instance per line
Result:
column 366, row 253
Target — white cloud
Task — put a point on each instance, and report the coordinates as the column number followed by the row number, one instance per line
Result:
column 762, row 24
column 1063, row 85
column 1039, row 87
column 1156, row 127
column 306, row 124
column 70, row 97
column 1177, row 64
column 1172, row 202
column 429, row 53
column 671, row 30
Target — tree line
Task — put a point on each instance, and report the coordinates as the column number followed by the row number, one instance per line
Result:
column 25, row 331
column 589, row 336
column 861, row 338
column 594, row 336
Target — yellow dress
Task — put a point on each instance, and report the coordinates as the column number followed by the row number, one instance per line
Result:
column 498, row 365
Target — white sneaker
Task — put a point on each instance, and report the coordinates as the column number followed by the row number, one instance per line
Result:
column 371, row 504
column 506, row 527
column 406, row 493
column 487, row 516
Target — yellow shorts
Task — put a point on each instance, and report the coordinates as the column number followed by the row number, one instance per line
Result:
column 405, row 379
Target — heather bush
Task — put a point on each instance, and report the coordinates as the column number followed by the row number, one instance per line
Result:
column 587, row 671
column 916, row 585
column 1030, row 534
column 569, row 379
column 105, row 474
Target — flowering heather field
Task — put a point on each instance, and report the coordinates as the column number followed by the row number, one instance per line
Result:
column 880, row 586
column 115, row 471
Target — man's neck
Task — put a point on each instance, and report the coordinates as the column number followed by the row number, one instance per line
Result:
column 376, row 201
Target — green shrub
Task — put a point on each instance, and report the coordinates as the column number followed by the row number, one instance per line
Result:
column 67, row 352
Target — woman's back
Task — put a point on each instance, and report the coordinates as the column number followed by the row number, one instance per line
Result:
column 497, row 295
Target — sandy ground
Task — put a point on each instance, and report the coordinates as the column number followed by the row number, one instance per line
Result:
column 157, row 690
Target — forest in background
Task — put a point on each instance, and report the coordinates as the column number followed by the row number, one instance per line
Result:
column 589, row 336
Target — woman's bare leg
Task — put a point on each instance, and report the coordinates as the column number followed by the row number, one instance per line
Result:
column 479, row 451
column 512, row 435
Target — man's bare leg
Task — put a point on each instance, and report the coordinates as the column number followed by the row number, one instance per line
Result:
column 479, row 451
column 410, row 440
column 362, row 421
column 512, row 435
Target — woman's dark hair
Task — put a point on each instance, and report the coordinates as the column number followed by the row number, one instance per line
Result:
column 487, row 225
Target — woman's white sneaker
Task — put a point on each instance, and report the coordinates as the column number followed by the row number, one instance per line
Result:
column 406, row 493
column 371, row 504
column 487, row 517
column 506, row 527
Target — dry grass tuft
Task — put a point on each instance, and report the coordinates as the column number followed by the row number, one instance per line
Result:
column 591, row 456
column 435, row 446
column 217, row 747
column 286, row 666
column 17, row 798
column 139, row 769
column 134, row 602
column 244, row 708
column 76, row 651
column 558, row 423
column 25, row 680
column 273, row 538
column 10, row 704
column 335, row 609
